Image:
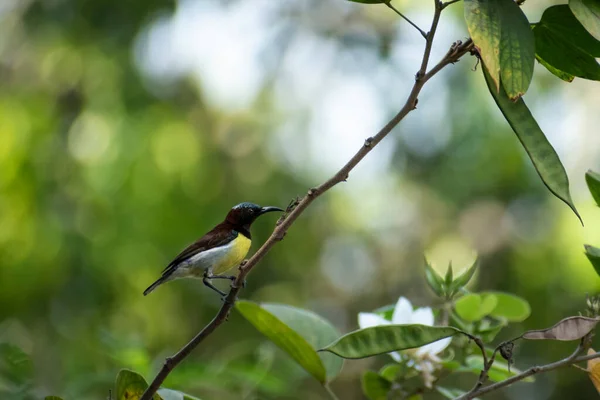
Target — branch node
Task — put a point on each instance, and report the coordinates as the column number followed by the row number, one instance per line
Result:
column 279, row 236
column 169, row 363
column 368, row 143
column 312, row 192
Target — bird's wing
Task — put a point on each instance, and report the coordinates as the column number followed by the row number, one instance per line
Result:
column 215, row 238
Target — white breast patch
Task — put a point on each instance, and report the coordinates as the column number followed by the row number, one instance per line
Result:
column 198, row 263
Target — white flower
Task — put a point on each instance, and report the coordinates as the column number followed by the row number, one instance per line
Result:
column 425, row 357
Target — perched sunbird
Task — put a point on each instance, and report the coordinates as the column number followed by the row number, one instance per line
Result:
column 222, row 248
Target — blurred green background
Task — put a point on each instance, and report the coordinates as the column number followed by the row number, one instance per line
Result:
column 129, row 128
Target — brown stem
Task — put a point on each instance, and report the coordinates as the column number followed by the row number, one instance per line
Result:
column 457, row 50
column 570, row 360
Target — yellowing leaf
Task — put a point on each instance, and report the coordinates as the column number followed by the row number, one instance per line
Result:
column 593, row 367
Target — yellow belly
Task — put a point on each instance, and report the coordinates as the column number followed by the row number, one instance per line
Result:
column 233, row 258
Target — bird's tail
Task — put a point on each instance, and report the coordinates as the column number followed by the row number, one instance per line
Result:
column 160, row 280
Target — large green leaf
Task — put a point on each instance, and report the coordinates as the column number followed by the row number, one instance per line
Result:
column 473, row 307
column 505, row 42
column 540, row 151
column 284, row 337
column 593, row 181
column 561, row 21
column 588, row 13
column 517, row 49
column 593, row 254
column 375, row 387
column 509, row 307
column 387, row 338
column 483, row 21
column 564, row 47
column 312, row 327
column 130, row 386
column 52, row 398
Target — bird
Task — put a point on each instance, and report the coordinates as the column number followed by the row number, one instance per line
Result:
column 219, row 250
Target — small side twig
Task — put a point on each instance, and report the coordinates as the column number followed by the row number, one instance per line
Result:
column 421, row 31
column 574, row 358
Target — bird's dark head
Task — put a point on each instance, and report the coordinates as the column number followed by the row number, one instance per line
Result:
column 244, row 214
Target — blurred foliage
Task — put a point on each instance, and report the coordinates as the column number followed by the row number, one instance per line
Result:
column 107, row 171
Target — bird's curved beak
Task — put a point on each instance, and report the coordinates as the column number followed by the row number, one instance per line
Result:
column 265, row 210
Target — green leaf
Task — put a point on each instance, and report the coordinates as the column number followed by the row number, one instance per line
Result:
column 464, row 278
column 593, row 254
column 435, row 282
column 564, row 47
column 487, row 330
column 130, row 386
column 555, row 71
column 588, row 13
column 374, row 386
column 317, row 331
column 540, row 151
column 387, row 338
column 497, row 373
column 386, row 311
column 370, row 1
column 593, row 181
column 505, row 42
column 560, row 20
column 473, row 307
column 169, row 394
column 510, row 307
column 449, row 277
column 15, row 366
column 451, row 365
column 52, row 398
column 284, row 337
column 517, row 50
column 392, row 371
column 483, row 22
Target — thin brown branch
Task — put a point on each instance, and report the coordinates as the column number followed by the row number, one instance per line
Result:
column 389, row 4
column 457, row 50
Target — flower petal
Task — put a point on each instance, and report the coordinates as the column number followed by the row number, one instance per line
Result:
column 396, row 356
column 435, row 347
column 402, row 311
column 367, row 320
column 423, row 316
